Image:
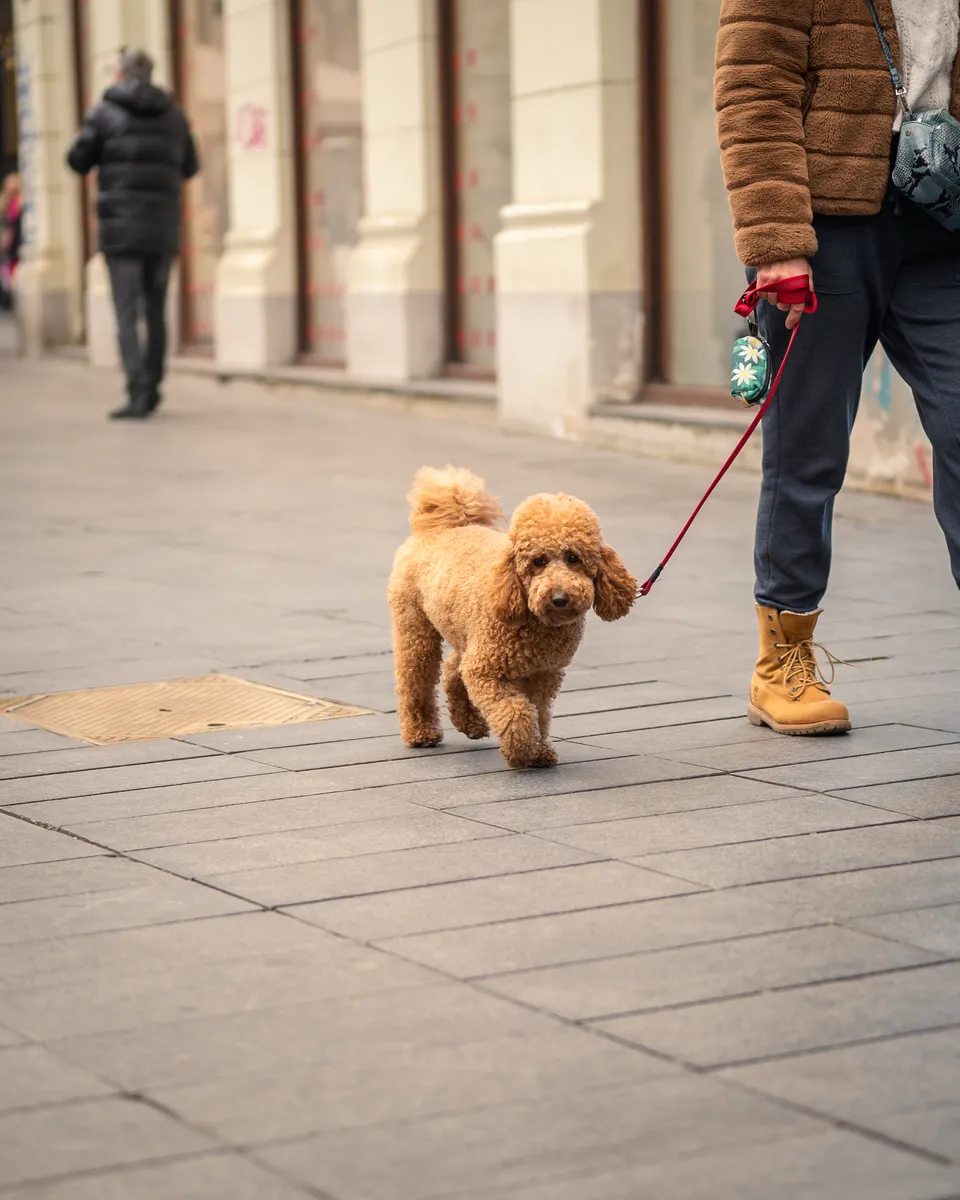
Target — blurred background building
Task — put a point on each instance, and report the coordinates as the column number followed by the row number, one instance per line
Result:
column 520, row 197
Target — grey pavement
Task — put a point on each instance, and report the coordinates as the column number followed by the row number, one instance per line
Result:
column 694, row 961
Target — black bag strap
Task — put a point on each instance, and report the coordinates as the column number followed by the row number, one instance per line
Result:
column 891, row 64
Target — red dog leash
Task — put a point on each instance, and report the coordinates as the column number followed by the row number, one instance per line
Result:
column 789, row 291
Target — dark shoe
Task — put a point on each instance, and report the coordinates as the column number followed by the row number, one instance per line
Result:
column 134, row 410
column 153, row 399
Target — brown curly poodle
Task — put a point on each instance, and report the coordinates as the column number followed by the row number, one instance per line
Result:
column 512, row 607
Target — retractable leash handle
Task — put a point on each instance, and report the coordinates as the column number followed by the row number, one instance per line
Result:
column 796, row 290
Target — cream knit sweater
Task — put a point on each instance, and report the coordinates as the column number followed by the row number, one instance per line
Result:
column 929, row 32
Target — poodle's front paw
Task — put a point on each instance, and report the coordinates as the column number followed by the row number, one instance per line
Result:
column 422, row 736
column 473, row 726
column 546, row 756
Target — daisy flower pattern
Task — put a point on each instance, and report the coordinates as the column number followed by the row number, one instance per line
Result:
column 750, row 349
column 744, row 375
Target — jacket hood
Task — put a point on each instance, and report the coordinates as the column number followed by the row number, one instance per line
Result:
column 141, row 98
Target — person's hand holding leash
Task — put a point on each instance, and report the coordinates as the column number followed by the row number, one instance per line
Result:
column 789, row 269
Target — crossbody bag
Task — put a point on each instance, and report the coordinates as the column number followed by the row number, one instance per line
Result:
column 926, row 168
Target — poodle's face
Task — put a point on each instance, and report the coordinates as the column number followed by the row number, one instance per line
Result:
column 558, row 567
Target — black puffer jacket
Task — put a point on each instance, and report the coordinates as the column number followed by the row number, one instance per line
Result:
column 141, row 143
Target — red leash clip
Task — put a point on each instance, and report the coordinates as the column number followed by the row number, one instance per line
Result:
column 796, row 290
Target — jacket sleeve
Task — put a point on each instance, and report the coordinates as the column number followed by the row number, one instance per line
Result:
column 191, row 159
column 760, row 90
column 87, row 146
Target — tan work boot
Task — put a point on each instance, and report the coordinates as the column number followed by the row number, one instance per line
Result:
column 788, row 692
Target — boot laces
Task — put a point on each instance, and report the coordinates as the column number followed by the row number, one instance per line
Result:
column 801, row 669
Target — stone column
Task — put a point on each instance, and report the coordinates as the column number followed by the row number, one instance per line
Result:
column 143, row 24
column 48, row 278
column 568, row 256
column 395, row 281
column 255, row 320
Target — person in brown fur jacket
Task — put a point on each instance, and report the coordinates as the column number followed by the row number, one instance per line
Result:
column 808, row 123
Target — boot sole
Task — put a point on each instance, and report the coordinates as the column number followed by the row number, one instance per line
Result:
column 756, row 716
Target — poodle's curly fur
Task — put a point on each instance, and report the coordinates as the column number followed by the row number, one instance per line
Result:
column 511, row 606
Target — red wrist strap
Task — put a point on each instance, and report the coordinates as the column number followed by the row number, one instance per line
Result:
column 796, row 290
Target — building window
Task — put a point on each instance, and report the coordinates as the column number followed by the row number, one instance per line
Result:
column 201, row 80
column 329, row 130
column 475, row 49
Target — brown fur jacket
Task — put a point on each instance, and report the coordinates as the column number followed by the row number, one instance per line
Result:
column 805, row 116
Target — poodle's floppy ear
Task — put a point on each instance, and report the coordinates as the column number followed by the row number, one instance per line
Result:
column 509, row 599
column 615, row 589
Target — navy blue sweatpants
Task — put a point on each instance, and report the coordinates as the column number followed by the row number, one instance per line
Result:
column 893, row 278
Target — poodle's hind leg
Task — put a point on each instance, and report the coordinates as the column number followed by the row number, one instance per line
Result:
column 463, row 712
column 417, row 654
column 542, row 691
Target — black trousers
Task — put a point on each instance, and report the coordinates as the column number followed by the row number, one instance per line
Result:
column 893, row 278
column 139, row 286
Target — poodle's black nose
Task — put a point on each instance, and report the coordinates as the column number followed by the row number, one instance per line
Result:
column 560, row 599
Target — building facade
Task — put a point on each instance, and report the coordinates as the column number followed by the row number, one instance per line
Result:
column 407, row 190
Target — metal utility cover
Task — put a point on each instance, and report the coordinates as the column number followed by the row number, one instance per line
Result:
column 143, row 712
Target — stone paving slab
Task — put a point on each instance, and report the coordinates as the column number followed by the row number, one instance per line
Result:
column 922, row 798
column 330, row 968
column 22, row 843
column 388, row 871
column 485, row 901
column 793, row 814
column 692, row 974
column 163, row 898
column 622, row 1124
column 596, row 933
column 813, row 1017
column 263, row 816
column 57, row 762
column 864, row 891
column 936, row 929
column 354, row 1031
column 625, row 802
column 32, row 1075
column 415, row 828
column 476, row 981
column 808, row 854
column 413, row 1082
column 120, row 779
column 59, row 1139
column 777, row 751
column 208, row 1176
column 827, row 1166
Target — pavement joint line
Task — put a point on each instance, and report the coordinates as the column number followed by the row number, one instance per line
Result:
column 670, row 812
column 416, row 887
column 147, row 788
column 111, row 1169
column 740, row 841
column 706, row 1001
column 827, row 1047
column 911, row 862
column 153, row 762
column 848, row 1126
column 129, row 857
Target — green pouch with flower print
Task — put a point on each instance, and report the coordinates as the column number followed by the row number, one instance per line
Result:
column 752, row 368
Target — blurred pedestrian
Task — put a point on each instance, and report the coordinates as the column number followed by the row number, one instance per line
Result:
column 809, row 126
column 11, row 235
column 141, row 143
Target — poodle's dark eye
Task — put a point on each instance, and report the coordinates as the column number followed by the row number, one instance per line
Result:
column 540, row 561
column 573, row 560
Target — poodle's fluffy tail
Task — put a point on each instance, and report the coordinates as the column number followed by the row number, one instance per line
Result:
column 450, row 498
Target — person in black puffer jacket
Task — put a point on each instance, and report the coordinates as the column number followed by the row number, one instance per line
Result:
column 141, row 143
